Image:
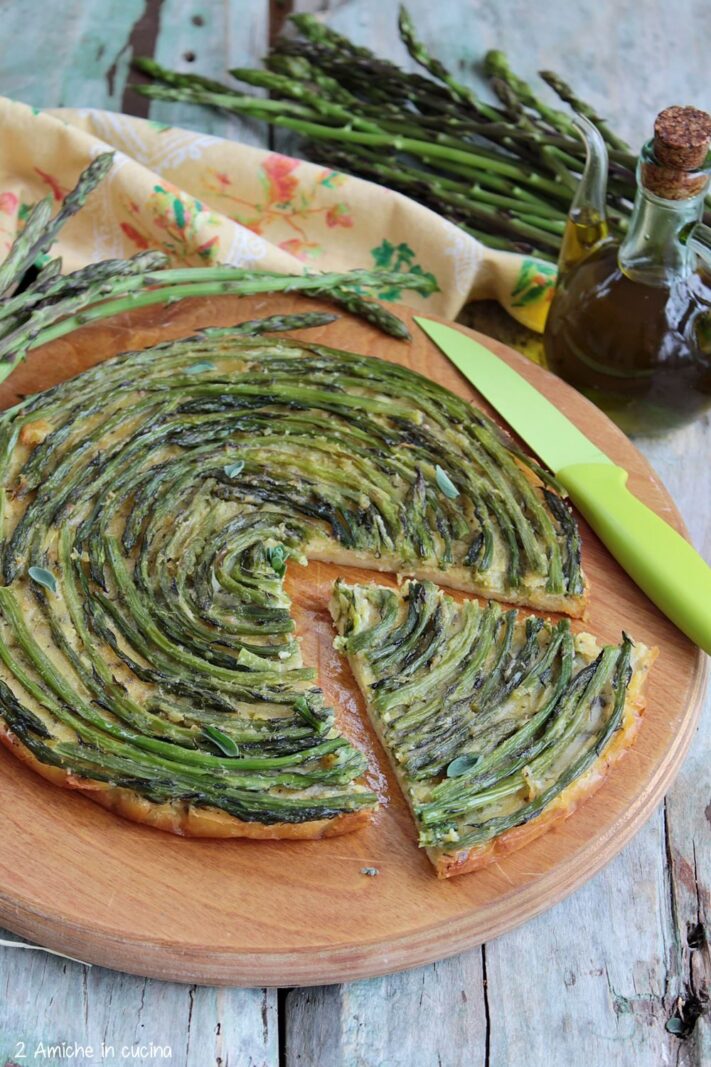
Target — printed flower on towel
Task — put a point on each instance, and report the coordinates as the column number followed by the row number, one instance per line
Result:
column 8, row 203
column 175, row 222
column 303, row 250
column 278, row 175
column 536, row 280
column 58, row 191
column 291, row 206
column 11, row 211
column 400, row 257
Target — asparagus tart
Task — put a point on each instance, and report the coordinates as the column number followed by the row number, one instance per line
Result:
column 496, row 725
column 149, row 508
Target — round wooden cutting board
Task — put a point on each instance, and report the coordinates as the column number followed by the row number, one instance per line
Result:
column 82, row 881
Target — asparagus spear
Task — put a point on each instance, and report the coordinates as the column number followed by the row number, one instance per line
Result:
column 48, row 288
column 272, row 324
column 497, row 67
column 430, row 136
column 421, row 55
column 20, row 255
column 40, row 233
column 565, row 92
column 110, row 296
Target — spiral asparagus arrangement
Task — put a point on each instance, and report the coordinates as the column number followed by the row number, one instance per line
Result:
column 148, row 510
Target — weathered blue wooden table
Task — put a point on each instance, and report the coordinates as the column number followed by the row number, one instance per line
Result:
column 596, row 979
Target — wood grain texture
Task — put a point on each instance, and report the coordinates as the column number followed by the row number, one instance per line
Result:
column 81, row 49
column 209, row 37
column 629, row 60
column 282, row 912
column 103, row 1010
column 371, row 1023
column 84, row 51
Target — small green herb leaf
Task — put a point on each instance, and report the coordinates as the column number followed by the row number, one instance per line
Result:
column 462, row 764
column 43, row 577
column 277, row 557
column 198, row 368
column 223, row 742
column 233, row 469
column 445, row 483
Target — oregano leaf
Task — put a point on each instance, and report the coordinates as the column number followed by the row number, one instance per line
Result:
column 43, row 577
column 462, row 764
column 445, row 483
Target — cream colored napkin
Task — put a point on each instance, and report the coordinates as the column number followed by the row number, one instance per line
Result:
column 204, row 199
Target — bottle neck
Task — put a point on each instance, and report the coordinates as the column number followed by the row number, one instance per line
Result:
column 655, row 250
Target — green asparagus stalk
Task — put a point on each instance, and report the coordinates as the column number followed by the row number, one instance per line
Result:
column 425, row 134
column 273, row 324
column 75, row 200
column 422, row 55
column 20, row 256
column 40, row 232
column 103, row 299
column 497, row 66
column 320, row 33
column 52, row 287
column 566, row 94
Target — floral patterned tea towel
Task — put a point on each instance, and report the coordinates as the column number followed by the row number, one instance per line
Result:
column 206, row 200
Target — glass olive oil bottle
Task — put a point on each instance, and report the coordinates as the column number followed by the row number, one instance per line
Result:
column 630, row 323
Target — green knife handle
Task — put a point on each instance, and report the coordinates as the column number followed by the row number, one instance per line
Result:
column 661, row 562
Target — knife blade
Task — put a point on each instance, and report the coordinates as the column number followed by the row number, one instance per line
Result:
column 661, row 562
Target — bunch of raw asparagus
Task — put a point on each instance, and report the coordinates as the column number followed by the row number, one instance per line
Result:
column 39, row 304
column 504, row 173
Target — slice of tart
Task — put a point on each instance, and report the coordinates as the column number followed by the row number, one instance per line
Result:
column 496, row 724
column 149, row 506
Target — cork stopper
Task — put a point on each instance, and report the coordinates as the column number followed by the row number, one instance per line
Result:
column 682, row 137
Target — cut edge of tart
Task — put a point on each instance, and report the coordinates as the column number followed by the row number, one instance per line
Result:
column 454, row 577
column 371, row 620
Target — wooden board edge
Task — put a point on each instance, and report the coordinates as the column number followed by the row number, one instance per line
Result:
column 337, row 964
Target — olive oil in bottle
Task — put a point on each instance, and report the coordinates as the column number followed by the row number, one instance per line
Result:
column 630, row 323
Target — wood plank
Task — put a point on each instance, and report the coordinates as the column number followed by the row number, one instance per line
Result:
column 371, row 1023
column 209, row 37
column 45, row 1001
column 82, row 51
column 682, row 461
column 599, row 975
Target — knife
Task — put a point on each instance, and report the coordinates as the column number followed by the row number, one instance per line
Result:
column 665, row 566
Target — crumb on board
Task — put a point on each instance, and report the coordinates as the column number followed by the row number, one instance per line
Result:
column 371, row 872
